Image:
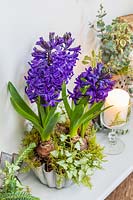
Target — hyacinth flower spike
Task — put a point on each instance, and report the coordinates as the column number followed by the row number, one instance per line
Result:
column 92, row 87
column 51, row 66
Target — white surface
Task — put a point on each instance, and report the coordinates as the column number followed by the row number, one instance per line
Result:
column 104, row 181
column 21, row 23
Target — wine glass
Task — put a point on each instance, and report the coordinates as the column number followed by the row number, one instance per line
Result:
column 113, row 144
column 116, row 120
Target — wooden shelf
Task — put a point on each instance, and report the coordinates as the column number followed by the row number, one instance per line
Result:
column 124, row 191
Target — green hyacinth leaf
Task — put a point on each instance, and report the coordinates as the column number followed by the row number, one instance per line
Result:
column 77, row 114
column 18, row 99
column 50, row 126
column 26, row 115
column 96, row 107
column 41, row 113
column 65, row 101
column 50, row 113
column 95, row 114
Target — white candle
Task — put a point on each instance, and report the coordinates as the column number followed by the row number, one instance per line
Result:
column 117, row 114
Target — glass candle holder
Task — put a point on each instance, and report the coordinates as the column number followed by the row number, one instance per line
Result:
column 115, row 118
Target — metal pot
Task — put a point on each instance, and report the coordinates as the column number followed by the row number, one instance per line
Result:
column 51, row 179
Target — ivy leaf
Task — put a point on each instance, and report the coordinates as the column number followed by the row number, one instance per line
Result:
column 69, row 160
column 83, row 161
column 96, row 163
column 76, row 163
column 55, row 153
column 81, row 175
column 75, row 172
column 62, row 164
column 67, row 153
column 63, row 137
column 69, row 174
column 77, row 146
column 61, row 152
column 89, row 172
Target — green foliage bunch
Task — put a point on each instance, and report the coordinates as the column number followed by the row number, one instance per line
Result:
column 69, row 161
column 116, row 43
column 11, row 188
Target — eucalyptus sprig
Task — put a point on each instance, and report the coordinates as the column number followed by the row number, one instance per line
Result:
column 116, row 43
column 100, row 22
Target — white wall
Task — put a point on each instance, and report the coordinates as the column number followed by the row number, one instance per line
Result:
column 21, row 23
